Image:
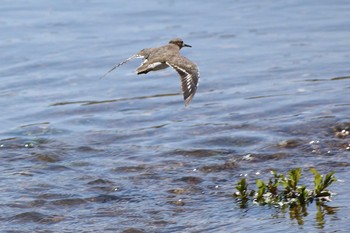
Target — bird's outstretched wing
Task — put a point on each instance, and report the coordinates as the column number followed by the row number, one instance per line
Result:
column 144, row 53
column 122, row 63
column 189, row 76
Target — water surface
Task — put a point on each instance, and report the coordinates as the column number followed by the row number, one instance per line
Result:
column 80, row 154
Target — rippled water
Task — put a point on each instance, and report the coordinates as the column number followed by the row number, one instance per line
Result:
column 122, row 154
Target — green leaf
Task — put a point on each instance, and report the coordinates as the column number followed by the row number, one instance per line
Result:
column 242, row 188
column 321, row 183
column 317, row 181
column 329, row 179
column 294, row 177
column 261, row 190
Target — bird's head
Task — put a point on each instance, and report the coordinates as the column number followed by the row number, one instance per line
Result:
column 179, row 42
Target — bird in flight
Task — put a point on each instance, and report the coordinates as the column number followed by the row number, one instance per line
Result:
column 168, row 55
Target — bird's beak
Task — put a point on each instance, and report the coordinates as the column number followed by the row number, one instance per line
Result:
column 187, row 45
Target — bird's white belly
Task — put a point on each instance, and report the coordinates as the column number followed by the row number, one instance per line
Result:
column 157, row 66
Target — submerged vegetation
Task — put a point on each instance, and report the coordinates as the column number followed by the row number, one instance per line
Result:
column 284, row 190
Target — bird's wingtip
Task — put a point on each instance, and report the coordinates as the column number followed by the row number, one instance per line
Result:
column 188, row 100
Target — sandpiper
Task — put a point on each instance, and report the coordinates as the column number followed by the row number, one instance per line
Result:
column 165, row 56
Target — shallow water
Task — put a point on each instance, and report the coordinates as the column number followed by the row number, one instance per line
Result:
column 79, row 154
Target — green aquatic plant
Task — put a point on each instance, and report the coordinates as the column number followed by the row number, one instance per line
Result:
column 242, row 191
column 261, row 190
column 284, row 190
column 321, row 184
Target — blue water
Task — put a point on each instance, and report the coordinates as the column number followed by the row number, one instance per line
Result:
column 80, row 154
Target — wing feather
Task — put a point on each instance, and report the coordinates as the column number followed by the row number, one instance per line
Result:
column 122, row 63
column 189, row 76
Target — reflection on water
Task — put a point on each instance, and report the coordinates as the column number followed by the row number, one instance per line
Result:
column 82, row 102
column 299, row 213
